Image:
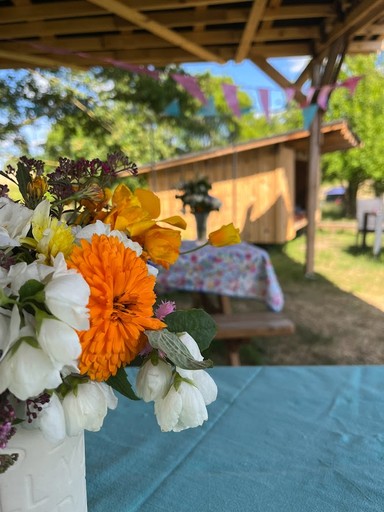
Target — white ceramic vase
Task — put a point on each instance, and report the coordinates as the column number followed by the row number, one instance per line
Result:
column 46, row 477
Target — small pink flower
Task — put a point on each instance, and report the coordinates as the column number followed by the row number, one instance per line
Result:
column 164, row 309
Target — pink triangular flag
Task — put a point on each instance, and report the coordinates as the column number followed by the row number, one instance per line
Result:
column 134, row 68
column 290, row 93
column 264, row 101
column 191, row 85
column 351, row 83
column 323, row 97
column 308, row 99
column 230, row 94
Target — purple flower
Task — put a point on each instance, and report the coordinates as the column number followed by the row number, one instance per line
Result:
column 7, row 418
column 164, row 309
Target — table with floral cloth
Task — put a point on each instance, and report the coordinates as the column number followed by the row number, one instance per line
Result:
column 242, row 270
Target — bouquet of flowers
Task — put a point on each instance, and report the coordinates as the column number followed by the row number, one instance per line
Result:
column 78, row 258
column 195, row 195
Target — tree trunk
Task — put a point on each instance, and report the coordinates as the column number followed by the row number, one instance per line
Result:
column 350, row 199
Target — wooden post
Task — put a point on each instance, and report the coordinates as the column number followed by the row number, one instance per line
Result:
column 313, row 185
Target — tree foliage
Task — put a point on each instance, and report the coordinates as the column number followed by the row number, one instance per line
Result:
column 364, row 113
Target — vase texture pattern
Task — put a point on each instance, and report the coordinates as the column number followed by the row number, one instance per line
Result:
column 46, row 477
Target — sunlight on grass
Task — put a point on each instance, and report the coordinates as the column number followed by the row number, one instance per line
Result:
column 350, row 268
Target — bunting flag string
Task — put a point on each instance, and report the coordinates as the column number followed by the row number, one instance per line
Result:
column 309, row 113
column 191, row 85
column 264, row 101
column 230, row 95
column 209, row 109
column 172, row 109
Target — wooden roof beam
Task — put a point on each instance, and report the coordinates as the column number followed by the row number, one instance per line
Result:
column 254, row 19
column 292, row 12
column 148, row 24
column 364, row 12
column 33, row 60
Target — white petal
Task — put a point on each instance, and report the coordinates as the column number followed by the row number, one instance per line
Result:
column 168, row 410
column 87, row 409
column 206, row 385
column 194, row 412
column 191, row 345
column 153, row 381
column 51, row 420
column 67, row 296
column 59, row 341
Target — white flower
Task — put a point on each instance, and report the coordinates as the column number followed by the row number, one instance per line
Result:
column 28, row 371
column 51, row 420
column 66, row 295
column 181, row 409
column 99, row 228
column 9, row 329
column 200, row 378
column 88, row 408
column 153, row 381
column 59, row 341
column 15, row 221
column 20, row 273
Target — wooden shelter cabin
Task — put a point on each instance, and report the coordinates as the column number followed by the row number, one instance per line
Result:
column 85, row 33
column 262, row 184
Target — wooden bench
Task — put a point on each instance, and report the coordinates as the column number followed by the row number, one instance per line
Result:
column 237, row 329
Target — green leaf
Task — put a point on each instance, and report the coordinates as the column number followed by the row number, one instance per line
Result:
column 120, row 383
column 196, row 322
column 30, row 289
column 175, row 350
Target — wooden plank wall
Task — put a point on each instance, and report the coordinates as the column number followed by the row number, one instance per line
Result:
column 256, row 189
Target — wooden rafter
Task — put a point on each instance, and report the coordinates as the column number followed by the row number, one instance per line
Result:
column 364, row 12
column 32, row 60
column 276, row 76
column 255, row 17
column 143, row 21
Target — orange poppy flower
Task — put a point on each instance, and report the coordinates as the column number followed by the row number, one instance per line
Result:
column 226, row 235
column 120, row 305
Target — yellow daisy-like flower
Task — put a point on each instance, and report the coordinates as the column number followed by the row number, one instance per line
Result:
column 226, row 235
column 50, row 236
column 120, row 305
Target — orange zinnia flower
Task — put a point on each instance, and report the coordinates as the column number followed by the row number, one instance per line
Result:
column 120, row 305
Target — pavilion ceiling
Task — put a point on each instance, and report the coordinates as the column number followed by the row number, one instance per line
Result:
column 50, row 33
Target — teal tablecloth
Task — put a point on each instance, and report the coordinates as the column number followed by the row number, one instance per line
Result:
column 278, row 439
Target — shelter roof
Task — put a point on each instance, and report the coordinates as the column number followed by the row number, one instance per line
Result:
column 83, row 33
column 335, row 136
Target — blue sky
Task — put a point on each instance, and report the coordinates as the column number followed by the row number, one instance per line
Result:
column 248, row 77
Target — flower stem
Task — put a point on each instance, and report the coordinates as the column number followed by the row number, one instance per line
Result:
column 195, row 248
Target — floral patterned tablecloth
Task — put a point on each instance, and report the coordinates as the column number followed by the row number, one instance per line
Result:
column 241, row 270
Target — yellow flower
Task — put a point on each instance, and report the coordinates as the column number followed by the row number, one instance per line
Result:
column 120, row 305
column 50, row 236
column 226, row 235
column 135, row 213
column 161, row 245
column 37, row 188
